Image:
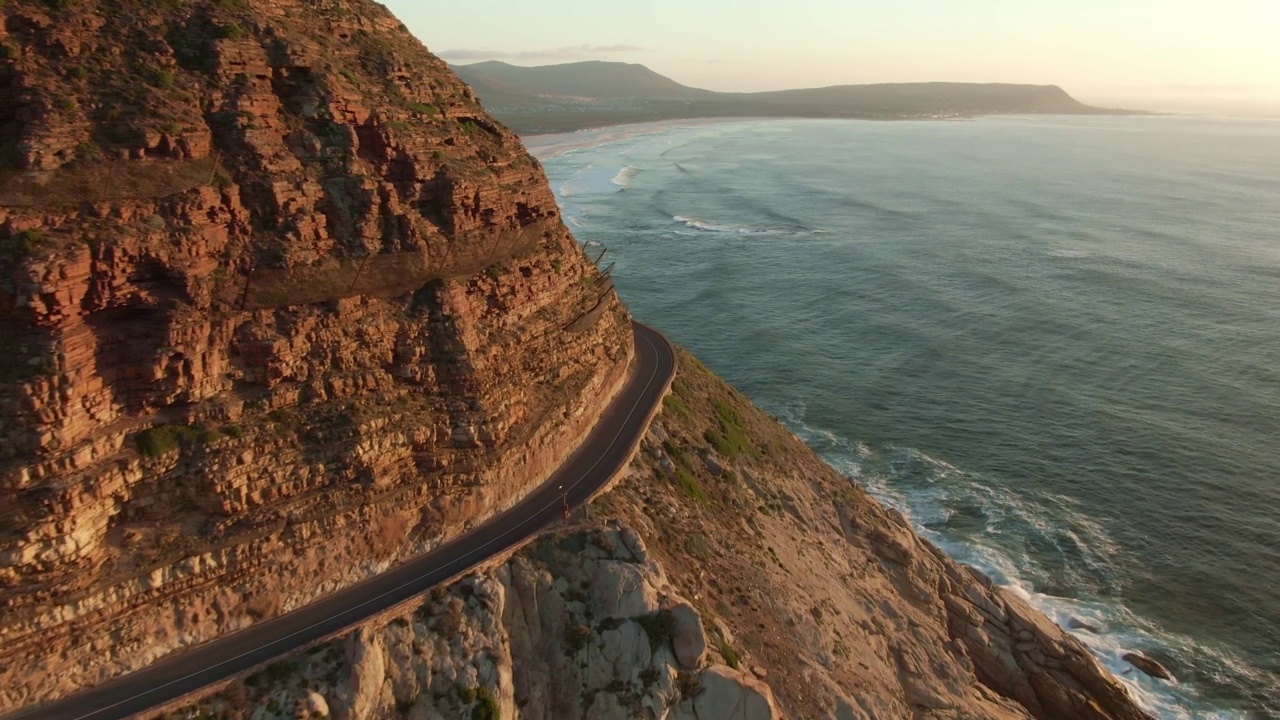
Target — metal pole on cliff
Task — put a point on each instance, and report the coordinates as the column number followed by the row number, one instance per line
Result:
column 564, row 499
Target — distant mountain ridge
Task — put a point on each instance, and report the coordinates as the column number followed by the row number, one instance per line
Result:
column 592, row 78
column 570, row 96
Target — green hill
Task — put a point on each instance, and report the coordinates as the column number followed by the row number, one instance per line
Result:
column 591, row 79
column 556, row 98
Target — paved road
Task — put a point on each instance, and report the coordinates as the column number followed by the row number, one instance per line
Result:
column 604, row 452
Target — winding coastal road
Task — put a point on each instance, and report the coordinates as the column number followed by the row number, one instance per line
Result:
column 603, row 453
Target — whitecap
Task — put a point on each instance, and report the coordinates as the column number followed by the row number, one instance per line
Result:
column 927, row 493
column 706, row 226
column 625, row 175
column 1071, row 253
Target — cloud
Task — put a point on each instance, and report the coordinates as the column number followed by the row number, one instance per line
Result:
column 564, row 53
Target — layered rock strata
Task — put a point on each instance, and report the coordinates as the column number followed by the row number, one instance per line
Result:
column 731, row 574
column 281, row 305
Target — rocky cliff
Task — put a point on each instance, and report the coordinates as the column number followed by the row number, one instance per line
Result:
column 730, row 575
column 281, row 304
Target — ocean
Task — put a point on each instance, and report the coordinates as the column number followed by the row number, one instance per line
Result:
column 1053, row 342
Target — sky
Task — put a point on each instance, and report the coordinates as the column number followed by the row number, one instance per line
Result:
column 1193, row 55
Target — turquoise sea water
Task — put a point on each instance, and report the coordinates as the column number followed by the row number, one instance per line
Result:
column 1053, row 342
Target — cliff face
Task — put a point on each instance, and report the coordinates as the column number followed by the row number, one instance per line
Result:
column 281, row 304
column 731, row 574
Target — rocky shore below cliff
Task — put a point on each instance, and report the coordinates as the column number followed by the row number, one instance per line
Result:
column 730, row 574
column 285, row 306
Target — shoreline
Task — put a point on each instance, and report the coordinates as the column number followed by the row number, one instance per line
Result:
column 545, row 146
column 1118, row 627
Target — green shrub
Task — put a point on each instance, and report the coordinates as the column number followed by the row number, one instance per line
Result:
column 286, row 425
column 689, row 685
column 676, row 453
column 231, row 31
column 729, row 416
column 690, row 486
column 678, row 407
column 20, row 246
column 730, row 655
column 222, row 179
column 486, row 705
column 164, row 439
column 65, row 104
column 283, row 670
column 731, row 440
column 162, row 79
column 718, row 442
column 424, row 109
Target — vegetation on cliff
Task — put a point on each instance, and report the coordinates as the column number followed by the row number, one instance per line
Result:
column 271, row 280
column 703, row 587
column 284, row 306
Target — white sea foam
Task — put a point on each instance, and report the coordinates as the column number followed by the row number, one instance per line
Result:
column 711, row 227
column 1071, row 253
column 552, row 145
column 625, row 175
column 927, row 491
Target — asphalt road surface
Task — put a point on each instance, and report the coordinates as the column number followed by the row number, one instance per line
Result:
column 603, row 453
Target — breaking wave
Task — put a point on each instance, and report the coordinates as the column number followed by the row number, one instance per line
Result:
column 701, row 225
column 1045, row 550
column 624, row 176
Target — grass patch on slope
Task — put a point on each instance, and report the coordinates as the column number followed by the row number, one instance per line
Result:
column 164, row 439
column 730, row 439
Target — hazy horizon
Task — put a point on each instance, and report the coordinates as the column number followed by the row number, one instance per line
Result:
column 1183, row 55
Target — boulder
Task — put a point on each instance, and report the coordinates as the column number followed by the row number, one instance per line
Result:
column 314, row 705
column 1147, row 665
column 619, row 590
column 688, row 638
column 658, row 433
column 714, row 466
column 365, row 692
column 1075, row 623
column 727, row 694
column 633, row 543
